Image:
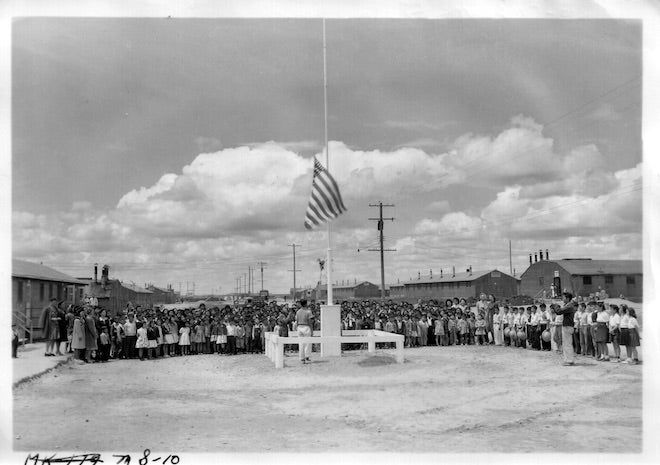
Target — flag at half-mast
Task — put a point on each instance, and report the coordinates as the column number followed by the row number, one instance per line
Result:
column 325, row 203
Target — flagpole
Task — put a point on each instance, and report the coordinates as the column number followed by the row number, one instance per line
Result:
column 327, row 167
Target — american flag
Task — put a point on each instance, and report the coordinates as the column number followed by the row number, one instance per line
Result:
column 325, row 201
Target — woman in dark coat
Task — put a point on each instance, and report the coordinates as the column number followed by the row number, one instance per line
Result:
column 90, row 335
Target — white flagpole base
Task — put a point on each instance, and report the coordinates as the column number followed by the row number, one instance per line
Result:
column 330, row 326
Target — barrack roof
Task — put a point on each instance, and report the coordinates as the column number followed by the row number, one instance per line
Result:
column 23, row 269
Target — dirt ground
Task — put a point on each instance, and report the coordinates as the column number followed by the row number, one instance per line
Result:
column 442, row 400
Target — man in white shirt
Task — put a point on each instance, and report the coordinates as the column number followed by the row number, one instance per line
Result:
column 130, row 336
column 304, row 319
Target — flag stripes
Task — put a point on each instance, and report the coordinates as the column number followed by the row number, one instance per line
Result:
column 325, row 201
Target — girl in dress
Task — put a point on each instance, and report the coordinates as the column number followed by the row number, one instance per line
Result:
column 174, row 331
column 240, row 337
column 633, row 337
column 439, row 331
column 215, row 329
column 602, row 332
column 221, row 341
column 142, row 342
column 168, row 338
column 160, row 350
column 198, row 338
column 615, row 320
column 498, row 334
column 184, row 338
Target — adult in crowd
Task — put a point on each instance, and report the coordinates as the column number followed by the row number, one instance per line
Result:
column 614, row 322
column 602, row 332
column 61, row 329
column 304, row 319
column 130, row 336
column 90, row 335
column 49, row 327
column 70, row 318
column 78, row 335
column 567, row 312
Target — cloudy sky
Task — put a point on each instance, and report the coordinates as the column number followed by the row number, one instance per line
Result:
column 180, row 150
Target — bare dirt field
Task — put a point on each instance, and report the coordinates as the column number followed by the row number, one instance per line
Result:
column 442, row 400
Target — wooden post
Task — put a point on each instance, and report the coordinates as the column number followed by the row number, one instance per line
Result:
column 279, row 355
column 399, row 350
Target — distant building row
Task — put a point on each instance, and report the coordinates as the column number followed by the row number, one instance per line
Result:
column 543, row 278
column 33, row 285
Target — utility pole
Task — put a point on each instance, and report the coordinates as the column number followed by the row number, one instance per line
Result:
column 510, row 261
column 261, row 265
column 381, row 223
column 249, row 279
column 294, row 268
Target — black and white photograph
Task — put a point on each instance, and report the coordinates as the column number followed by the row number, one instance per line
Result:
column 236, row 232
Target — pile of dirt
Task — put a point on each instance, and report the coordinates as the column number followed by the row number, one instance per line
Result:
column 376, row 361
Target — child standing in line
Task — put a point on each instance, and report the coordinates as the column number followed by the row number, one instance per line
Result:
column 142, row 342
column 471, row 329
column 196, row 336
column 451, row 325
column 633, row 337
column 462, row 329
column 408, row 331
column 257, row 332
column 240, row 336
column 231, row 336
column 104, row 348
column 174, row 331
column 207, row 336
column 438, row 331
column 221, row 342
column 389, row 327
column 214, row 335
column 152, row 338
column 480, row 329
column 184, row 338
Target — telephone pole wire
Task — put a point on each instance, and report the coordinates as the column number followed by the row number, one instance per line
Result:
column 381, row 224
column 294, row 268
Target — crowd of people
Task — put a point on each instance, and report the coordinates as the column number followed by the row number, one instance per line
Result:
column 148, row 333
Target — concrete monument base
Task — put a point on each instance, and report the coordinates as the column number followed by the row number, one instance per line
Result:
column 331, row 327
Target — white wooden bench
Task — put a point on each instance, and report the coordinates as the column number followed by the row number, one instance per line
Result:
column 275, row 344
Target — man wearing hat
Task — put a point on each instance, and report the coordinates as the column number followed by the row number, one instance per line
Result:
column 568, row 310
column 304, row 318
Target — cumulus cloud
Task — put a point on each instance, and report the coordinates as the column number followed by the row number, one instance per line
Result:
column 243, row 204
column 571, row 212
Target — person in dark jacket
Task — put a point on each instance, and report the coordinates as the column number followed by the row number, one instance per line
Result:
column 90, row 334
column 568, row 310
